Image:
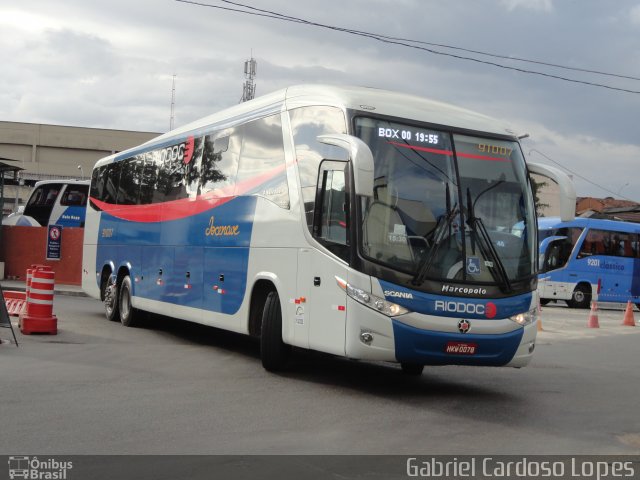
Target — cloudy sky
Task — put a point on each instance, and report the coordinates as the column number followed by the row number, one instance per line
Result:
column 110, row 65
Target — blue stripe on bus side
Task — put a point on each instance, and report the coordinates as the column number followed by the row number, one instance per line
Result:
column 206, row 245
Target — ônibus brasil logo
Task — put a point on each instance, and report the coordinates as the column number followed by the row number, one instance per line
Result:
column 489, row 309
column 33, row 468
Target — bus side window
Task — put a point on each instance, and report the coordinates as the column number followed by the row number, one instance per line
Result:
column 219, row 164
column 75, row 195
column 148, row 179
column 306, row 124
column 129, row 185
column 262, row 161
column 110, row 183
column 331, row 222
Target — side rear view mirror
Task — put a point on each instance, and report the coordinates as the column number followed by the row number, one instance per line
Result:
column 361, row 159
column 567, row 192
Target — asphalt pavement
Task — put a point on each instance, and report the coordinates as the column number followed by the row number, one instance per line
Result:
column 173, row 387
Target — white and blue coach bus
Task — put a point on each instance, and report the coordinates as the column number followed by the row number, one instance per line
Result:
column 354, row 221
column 54, row 202
column 589, row 258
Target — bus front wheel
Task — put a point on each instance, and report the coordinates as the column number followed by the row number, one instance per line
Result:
column 273, row 350
column 581, row 297
column 129, row 316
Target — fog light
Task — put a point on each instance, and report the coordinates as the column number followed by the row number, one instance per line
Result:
column 532, row 347
column 366, row 338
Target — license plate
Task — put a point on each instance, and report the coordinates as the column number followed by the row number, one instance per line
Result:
column 461, row 348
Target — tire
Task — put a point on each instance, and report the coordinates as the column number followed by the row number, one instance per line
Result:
column 111, row 299
column 129, row 316
column 581, row 297
column 413, row 369
column 273, row 351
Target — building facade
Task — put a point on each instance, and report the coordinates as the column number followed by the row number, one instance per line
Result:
column 46, row 152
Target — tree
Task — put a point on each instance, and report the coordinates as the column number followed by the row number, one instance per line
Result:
column 537, row 187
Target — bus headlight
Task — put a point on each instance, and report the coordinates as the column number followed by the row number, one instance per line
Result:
column 374, row 302
column 525, row 318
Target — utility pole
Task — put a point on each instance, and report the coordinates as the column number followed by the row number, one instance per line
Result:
column 249, row 88
column 173, row 103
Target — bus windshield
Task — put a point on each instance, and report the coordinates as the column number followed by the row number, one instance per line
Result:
column 447, row 206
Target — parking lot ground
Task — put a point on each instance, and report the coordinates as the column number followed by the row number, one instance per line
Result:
column 177, row 388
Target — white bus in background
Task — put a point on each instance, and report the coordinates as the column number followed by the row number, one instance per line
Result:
column 53, row 202
column 353, row 221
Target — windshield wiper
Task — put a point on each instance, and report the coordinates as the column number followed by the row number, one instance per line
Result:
column 479, row 232
column 440, row 233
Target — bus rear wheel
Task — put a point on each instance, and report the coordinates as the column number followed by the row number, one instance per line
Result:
column 111, row 299
column 273, row 351
column 581, row 297
column 129, row 316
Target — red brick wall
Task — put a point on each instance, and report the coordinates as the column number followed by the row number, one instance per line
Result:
column 22, row 246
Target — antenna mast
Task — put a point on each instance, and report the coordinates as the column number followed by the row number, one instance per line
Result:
column 173, row 103
column 249, row 88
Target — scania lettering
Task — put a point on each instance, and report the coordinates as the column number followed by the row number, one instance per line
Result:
column 391, row 293
column 352, row 221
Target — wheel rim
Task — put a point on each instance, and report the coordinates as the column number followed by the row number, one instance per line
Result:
column 125, row 303
column 110, row 297
column 579, row 296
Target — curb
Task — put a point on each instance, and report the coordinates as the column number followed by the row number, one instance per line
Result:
column 56, row 291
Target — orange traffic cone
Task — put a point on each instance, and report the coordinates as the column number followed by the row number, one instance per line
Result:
column 540, row 329
column 593, row 316
column 629, row 321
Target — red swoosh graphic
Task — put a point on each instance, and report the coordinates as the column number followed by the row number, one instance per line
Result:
column 185, row 207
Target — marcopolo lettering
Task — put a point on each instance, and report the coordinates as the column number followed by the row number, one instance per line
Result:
column 464, row 290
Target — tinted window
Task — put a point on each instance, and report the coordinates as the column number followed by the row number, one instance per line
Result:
column 129, row 185
column 611, row 243
column 171, row 179
column 219, row 164
column 45, row 195
column 306, row 124
column 75, row 195
column 41, row 202
column 331, row 218
column 148, row 179
column 108, row 184
column 262, row 167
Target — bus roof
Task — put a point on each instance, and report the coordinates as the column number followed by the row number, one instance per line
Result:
column 546, row 223
column 68, row 181
column 395, row 104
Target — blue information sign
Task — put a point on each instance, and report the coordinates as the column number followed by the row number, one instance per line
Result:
column 54, row 242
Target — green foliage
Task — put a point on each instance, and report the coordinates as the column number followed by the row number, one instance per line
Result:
column 537, row 187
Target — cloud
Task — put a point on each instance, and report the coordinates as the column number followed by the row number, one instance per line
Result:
column 538, row 5
column 634, row 15
column 595, row 163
